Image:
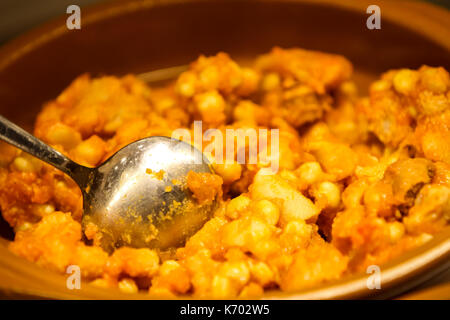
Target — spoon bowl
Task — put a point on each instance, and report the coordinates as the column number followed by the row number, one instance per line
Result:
column 139, row 196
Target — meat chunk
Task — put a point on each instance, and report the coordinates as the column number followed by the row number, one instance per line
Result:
column 433, row 136
column 319, row 71
column 408, row 177
column 296, row 83
column 431, row 210
column 402, row 97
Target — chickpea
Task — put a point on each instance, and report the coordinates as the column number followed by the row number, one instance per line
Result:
column 161, row 292
column 222, row 287
column 229, row 171
column 249, row 82
column 430, row 103
column 331, row 192
column 186, row 84
column 164, row 104
column 60, row 134
column 237, row 206
column 113, row 125
column 101, row 283
column 90, row 151
column 23, row 164
column 353, row 194
column 251, row 290
column 296, row 234
column 134, row 262
column 7, row 154
column 396, row 231
column 261, row 273
column 43, row 209
column 128, row 285
column 380, row 85
column 310, row 172
column 174, row 276
column 210, row 100
column 348, row 89
column 336, row 158
column 209, row 77
column 405, row 81
column 23, row 227
column 288, row 175
column 211, row 106
column 168, row 266
column 297, row 227
column 267, row 211
column 236, row 271
column 379, row 198
column 436, row 80
column 295, row 204
column 245, row 232
column 246, row 112
column 131, row 130
column 271, row 81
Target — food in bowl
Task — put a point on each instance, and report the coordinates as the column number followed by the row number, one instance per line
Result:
column 359, row 180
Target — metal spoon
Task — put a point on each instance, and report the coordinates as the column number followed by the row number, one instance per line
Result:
column 138, row 197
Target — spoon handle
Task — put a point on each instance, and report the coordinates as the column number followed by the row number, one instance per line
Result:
column 16, row 136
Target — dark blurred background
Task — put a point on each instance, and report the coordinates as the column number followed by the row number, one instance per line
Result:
column 17, row 16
